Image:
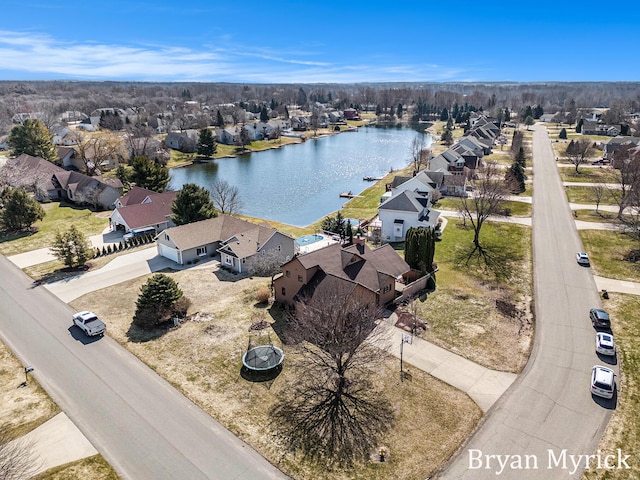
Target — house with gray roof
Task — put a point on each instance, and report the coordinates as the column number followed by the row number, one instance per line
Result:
column 35, row 174
column 81, row 189
column 240, row 244
column 403, row 211
column 610, row 146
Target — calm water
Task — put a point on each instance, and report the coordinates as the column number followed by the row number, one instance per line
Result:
column 299, row 184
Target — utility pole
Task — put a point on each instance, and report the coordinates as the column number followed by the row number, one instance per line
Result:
column 406, row 338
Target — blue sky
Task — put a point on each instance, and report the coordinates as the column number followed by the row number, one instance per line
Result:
column 327, row 41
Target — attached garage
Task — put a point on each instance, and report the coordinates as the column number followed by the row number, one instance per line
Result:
column 170, row 253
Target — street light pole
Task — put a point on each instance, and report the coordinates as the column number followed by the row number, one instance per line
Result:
column 405, row 339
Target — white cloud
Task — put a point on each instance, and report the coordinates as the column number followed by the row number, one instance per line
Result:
column 36, row 55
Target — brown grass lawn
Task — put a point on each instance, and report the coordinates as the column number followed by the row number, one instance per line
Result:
column 26, row 408
column 472, row 312
column 203, row 360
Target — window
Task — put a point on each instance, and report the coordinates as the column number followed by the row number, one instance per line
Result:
column 284, row 292
column 300, row 278
column 228, row 260
column 201, row 251
column 387, row 288
column 287, row 273
column 279, row 248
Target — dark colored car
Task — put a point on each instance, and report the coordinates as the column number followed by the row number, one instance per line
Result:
column 599, row 318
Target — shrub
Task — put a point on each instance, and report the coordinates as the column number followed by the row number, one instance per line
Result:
column 196, row 260
column 97, row 252
column 109, row 250
column 263, row 294
column 104, row 250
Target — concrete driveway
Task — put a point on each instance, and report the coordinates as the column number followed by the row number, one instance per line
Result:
column 122, row 268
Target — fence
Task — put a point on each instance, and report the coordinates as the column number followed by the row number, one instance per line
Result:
column 412, row 289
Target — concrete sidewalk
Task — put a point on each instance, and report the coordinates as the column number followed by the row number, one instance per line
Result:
column 620, row 286
column 482, row 384
column 56, row 442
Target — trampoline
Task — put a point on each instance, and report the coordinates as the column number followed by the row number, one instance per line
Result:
column 263, row 358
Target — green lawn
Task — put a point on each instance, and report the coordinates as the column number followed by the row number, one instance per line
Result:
column 518, row 209
column 590, row 175
column 59, row 215
column 586, row 195
column 607, row 250
column 597, row 217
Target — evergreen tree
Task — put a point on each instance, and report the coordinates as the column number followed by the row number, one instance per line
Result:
column 19, row 210
column 527, row 112
column 563, row 134
column 399, row 110
column 579, row 126
column 515, row 175
column 444, row 115
column 219, row 120
column 72, row 247
column 529, row 121
column 301, row 98
column 244, row 137
column 538, row 112
column 206, row 143
column 286, row 113
column 447, row 137
column 149, row 174
column 264, row 115
column 378, row 110
column 507, row 115
column 521, row 158
column 32, row 138
column 192, row 204
column 156, row 301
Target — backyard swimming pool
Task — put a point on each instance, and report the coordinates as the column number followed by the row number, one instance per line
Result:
column 309, row 239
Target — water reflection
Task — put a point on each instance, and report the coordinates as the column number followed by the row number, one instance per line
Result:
column 299, row 184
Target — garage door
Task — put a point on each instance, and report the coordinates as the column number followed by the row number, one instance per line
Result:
column 170, row 253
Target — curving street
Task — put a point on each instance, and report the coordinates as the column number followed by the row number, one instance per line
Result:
column 548, row 413
column 142, row 425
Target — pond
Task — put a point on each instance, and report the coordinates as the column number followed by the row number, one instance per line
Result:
column 300, row 184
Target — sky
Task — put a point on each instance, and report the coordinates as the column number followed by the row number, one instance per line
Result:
column 328, row 41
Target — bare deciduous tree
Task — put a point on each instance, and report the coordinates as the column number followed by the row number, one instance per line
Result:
column 333, row 412
column 626, row 168
column 419, row 153
column 225, row 197
column 597, row 193
column 97, row 150
column 17, row 460
column 578, row 152
column 490, row 192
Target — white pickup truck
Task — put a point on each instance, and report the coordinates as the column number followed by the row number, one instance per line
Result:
column 89, row 323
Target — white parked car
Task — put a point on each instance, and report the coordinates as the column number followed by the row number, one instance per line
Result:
column 602, row 381
column 583, row 258
column 89, row 323
column 605, row 344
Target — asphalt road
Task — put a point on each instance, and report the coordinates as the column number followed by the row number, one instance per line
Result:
column 137, row 421
column 549, row 409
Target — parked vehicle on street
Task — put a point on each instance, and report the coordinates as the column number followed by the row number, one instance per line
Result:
column 603, row 382
column 605, row 344
column 599, row 318
column 89, row 323
column 583, row 259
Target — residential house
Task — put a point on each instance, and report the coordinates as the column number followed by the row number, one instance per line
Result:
column 63, row 136
column 242, row 245
column 613, row 144
column 89, row 124
column 81, row 189
column 34, row 174
column 370, row 274
column 4, row 143
column 472, row 157
column 300, row 123
column 594, row 127
column 351, row 114
column 141, row 209
column 403, row 211
column 228, row 136
column 186, row 141
column 448, row 161
column 67, row 158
